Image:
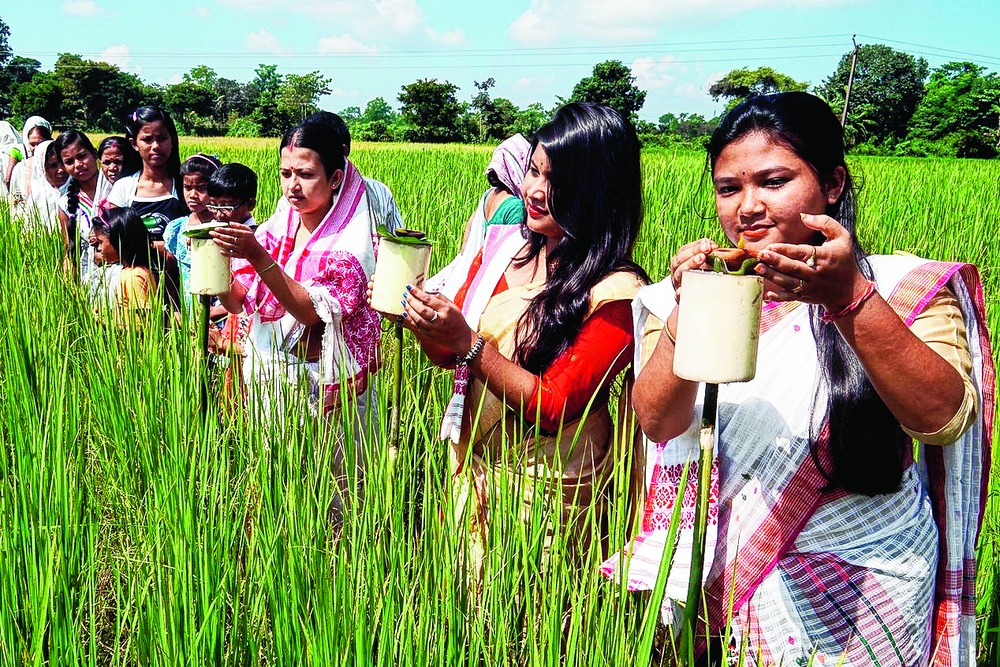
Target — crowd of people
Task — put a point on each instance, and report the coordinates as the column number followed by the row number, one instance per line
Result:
column 832, row 535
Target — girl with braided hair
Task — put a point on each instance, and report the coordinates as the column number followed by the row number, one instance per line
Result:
column 78, row 206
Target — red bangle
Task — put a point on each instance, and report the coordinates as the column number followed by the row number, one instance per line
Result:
column 852, row 306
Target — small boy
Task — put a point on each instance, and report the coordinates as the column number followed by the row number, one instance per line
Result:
column 196, row 172
column 232, row 194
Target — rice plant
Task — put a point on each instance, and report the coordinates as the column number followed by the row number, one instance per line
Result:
column 139, row 526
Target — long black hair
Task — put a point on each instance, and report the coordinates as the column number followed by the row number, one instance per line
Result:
column 144, row 116
column 867, row 445
column 595, row 197
column 62, row 142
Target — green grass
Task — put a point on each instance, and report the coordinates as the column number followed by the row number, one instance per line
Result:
column 132, row 531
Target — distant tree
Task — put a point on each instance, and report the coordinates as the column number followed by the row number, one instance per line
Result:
column 97, row 95
column 688, row 127
column 243, row 126
column 888, row 86
column 232, row 98
column 500, row 119
column 376, row 123
column 431, row 111
column 188, row 97
column 495, row 117
column 958, row 116
column 378, row 110
column 42, row 95
column 264, row 90
column 17, row 71
column 298, row 96
column 742, row 84
column 482, row 103
column 529, row 119
column 350, row 113
column 191, row 105
column 5, row 52
column 612, row 84
column 203, row 75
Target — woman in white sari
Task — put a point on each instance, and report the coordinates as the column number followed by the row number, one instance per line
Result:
column 36, row 200
column 36, row 130
column 832, row 540
column 10, row 144
column 501, row 204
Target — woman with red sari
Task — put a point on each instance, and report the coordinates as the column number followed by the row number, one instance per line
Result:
column 540, row 329
column 832, row 539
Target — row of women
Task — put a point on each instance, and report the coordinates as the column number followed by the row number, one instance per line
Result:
column 37, row 173
column 832, row 536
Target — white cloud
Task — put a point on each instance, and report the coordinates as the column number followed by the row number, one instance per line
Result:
column 200, row 12
column 264, row 42
column 455, row 37
column 652, row 73
column 367, row 27
column 550, row 21
column 401, row 16
column 309, row 8
column 547, row 22
column 689, row 91
column 343, row 44
column 175, row 78
column 119, row 55
column 82, row 8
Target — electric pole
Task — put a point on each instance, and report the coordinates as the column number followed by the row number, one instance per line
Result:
column 850, row 82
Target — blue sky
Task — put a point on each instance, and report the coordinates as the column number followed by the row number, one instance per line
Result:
column 536, row 50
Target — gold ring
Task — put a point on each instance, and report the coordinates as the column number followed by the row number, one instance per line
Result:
column 798, row 288
column 811, row 262
column 435, row 318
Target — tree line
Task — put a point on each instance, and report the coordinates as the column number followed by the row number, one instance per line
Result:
column 898, row 106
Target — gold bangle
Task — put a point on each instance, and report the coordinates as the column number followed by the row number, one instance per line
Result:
column 267, row 268
column 670, row 336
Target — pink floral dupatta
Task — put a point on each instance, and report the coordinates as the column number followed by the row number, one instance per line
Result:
column 334, row 266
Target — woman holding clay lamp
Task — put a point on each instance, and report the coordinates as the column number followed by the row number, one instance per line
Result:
column 824, row 527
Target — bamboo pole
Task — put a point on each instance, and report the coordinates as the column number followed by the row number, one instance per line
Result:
column 706, row 441
column 397, row 388
column 206, row 304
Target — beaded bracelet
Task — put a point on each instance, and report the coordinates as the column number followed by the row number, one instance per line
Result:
column 852, row 306
column 473, row 352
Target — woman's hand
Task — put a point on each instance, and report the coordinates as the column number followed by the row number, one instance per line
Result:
column 826, row 274
column 238, row 240
column 436, row 321
column 691, row 256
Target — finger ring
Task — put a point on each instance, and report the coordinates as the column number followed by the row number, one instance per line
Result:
column 435, row 318
column 811, row 262
column 798, row 288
